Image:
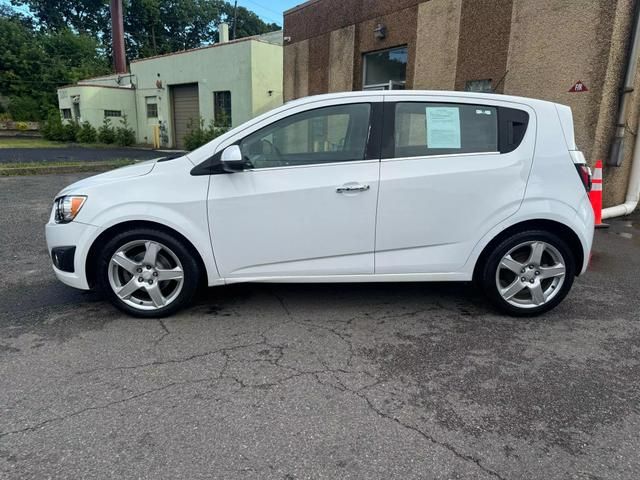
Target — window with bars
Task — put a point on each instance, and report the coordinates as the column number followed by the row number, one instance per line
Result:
column 113, row 113
column 152, row 110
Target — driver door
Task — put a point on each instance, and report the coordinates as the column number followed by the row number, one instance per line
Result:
column 305, row 204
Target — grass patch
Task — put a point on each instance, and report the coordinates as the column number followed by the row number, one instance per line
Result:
column 41, row 168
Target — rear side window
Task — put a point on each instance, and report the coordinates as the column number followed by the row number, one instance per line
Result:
column 426, row 128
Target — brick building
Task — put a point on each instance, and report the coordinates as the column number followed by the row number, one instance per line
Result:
column 538, row 49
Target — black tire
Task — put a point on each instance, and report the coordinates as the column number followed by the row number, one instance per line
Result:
column 190, row 267
column 488, row 272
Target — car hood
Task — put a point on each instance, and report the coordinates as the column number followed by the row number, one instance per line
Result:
column 135, row 170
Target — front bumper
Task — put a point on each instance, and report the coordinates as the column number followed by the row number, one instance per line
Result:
column 73, row 234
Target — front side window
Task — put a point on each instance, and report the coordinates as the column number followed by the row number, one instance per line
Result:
column 66, row 113
column 423, row 129
column 323, row 135
column 222, row 108
column 112, row 113
column 386, row 69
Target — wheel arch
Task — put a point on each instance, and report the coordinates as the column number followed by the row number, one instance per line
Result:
column 561, row 230
column 105, row 236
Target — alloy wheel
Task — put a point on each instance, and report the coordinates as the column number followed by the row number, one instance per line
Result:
column 530, row 274
column 146, row 275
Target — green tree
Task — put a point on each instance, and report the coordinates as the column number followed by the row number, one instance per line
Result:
column 33, row 64
column 151, row 26
column 87, row 16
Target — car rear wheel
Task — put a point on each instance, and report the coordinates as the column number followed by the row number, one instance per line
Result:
column 529, row 273
column 147, row 273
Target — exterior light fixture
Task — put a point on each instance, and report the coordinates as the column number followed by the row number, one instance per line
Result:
column 380, row 32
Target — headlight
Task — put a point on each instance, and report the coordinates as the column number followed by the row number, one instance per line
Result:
column 67, row 207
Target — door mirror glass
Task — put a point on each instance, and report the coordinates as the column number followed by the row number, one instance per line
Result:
column 231, row 159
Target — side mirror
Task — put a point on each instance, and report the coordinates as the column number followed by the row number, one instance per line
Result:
column 232, row 160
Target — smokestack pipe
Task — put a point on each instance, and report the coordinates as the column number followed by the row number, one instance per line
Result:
column 117, row 36
column 223, row 33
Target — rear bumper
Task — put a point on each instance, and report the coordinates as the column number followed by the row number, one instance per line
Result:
column 69, row 235
column 586, row 220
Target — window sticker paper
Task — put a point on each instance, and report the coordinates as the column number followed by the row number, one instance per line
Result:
column 443, row 127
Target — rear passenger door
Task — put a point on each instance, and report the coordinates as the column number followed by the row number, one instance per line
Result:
column 452, row 168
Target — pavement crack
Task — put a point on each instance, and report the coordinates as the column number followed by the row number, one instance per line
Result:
column 341, row 387
column 97, row 407
column 165, row 333
column 282, row 303
column 426, row 436
column 157, row 363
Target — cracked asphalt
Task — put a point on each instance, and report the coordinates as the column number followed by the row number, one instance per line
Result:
column 314, row 381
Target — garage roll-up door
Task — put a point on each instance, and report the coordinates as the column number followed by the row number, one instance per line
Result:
column 185, row 110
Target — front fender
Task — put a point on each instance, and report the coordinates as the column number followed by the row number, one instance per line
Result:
column 188, row 225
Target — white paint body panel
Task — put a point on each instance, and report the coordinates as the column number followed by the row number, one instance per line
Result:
column 432, row 208
column 422, row 219
column 291, row 221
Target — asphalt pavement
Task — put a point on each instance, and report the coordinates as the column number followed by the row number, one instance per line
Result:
column 407, row 381
column 75, row 154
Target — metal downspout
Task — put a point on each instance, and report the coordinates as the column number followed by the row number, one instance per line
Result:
column 633, row 188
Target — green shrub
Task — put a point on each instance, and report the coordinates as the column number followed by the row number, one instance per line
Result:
column 106, row 133
column 52, row 128
column 87, row 134
column 199, row 135
column 25, row 109
column 125, row 135
column 70, row 131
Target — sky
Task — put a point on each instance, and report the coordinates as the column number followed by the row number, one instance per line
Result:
column 269, row 10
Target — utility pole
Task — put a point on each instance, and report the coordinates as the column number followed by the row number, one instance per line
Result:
column 117, row 36
column 235, row 18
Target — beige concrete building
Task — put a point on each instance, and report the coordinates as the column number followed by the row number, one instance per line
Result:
column 226, row 83
column 538, row 49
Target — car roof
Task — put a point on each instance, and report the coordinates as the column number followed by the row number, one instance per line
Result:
column 415, row 93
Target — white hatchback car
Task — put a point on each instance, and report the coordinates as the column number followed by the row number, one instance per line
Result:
column 350, row 187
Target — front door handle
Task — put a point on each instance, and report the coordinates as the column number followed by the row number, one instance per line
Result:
column 352, row 188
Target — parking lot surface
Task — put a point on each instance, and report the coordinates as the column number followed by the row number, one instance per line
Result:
column 76, row 154
column 314, row 381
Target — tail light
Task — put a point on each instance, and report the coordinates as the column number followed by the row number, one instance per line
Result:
column 583, row 169
column 585, row 175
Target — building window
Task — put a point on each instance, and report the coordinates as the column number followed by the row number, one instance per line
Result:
column 386, row 69
column 478, row 86
column 222, row 108
column 424, row 129
column 66, row 113
column 152, row 107
column 76, row 111
column 112, row 113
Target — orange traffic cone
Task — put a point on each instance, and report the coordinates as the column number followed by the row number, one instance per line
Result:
column 595, row 195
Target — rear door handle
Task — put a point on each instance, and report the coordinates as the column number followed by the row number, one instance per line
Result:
column 352, row 188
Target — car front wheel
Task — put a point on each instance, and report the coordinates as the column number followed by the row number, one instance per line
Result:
column 147, row 273
column 529, row 273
